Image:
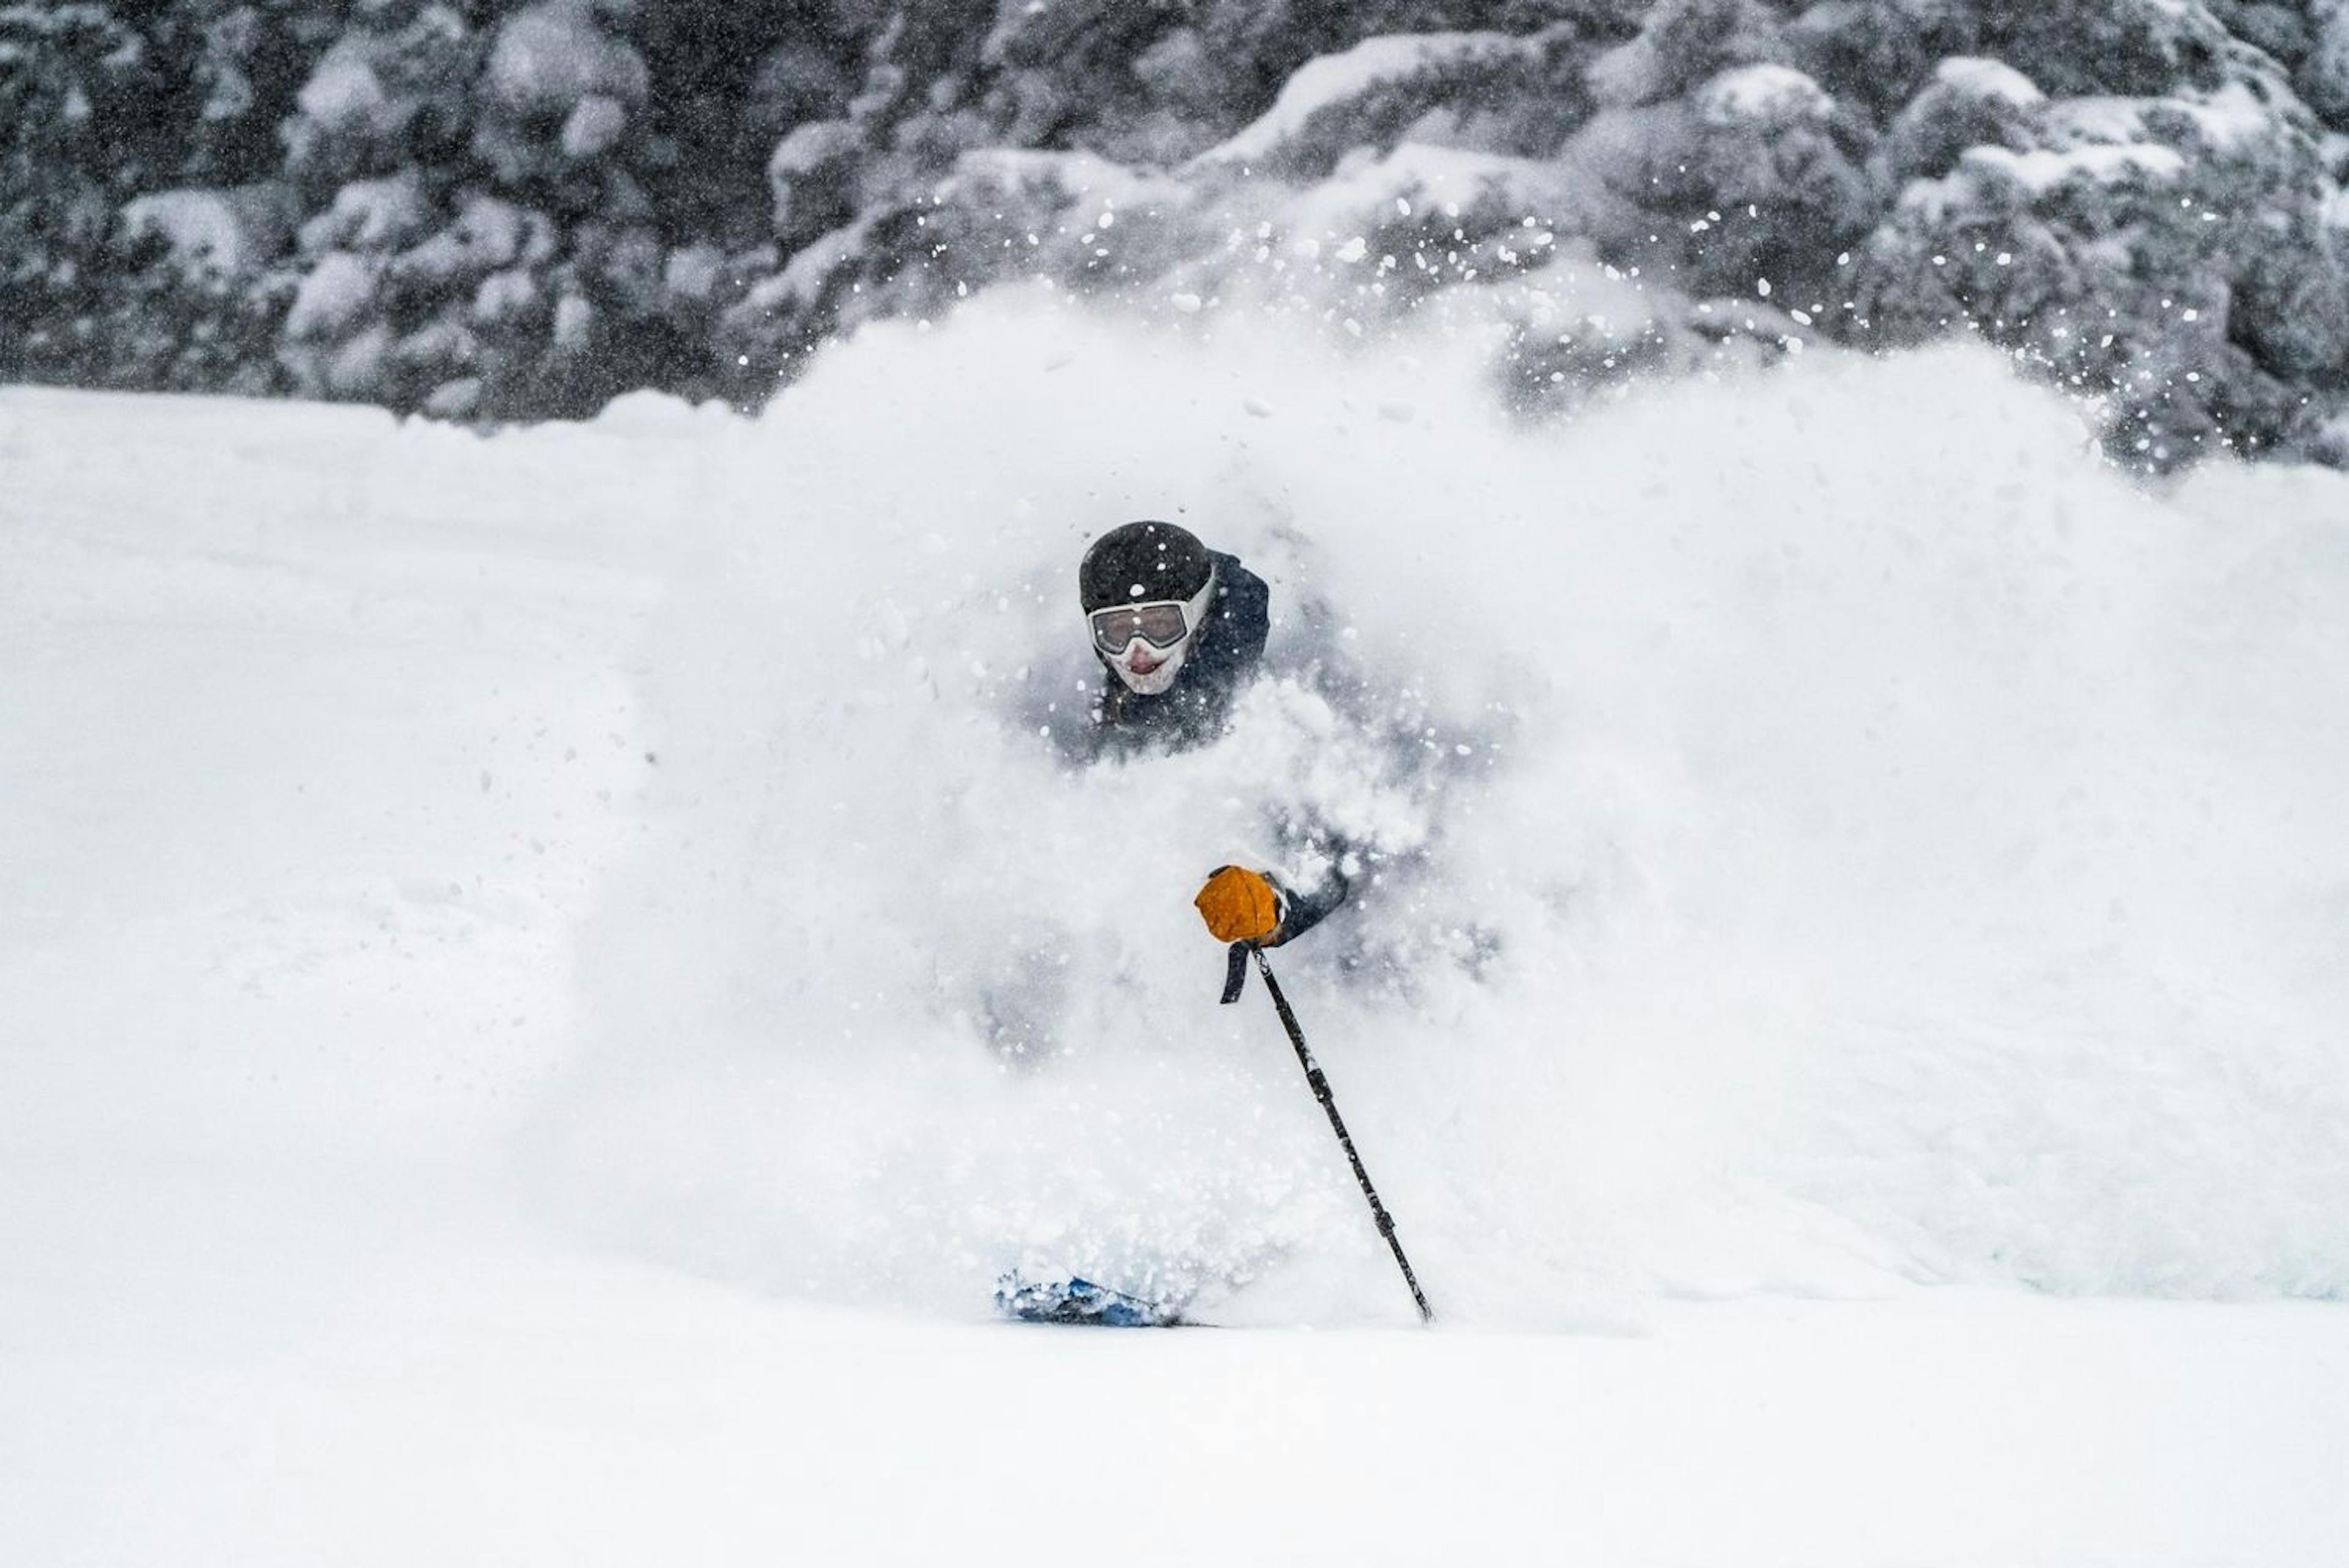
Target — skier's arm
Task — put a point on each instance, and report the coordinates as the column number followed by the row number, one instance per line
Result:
column 1300, row 912
column 1247, row 910
column 1253, row 906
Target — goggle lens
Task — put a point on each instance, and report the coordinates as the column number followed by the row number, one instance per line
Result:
column 1159, row 625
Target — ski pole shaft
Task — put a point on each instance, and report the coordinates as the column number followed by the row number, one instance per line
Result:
column 1321, row 1085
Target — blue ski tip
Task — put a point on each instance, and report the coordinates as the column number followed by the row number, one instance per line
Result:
column 1069, row 1299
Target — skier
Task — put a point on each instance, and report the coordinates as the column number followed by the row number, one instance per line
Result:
column 1180, row 628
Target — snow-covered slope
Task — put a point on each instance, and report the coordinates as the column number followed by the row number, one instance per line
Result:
column 507, row 940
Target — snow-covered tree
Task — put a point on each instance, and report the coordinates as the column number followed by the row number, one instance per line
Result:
column 92, row 113
column 515, row 208
column 2169, row 255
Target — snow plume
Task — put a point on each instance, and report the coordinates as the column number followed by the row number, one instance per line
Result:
column 1834, row 833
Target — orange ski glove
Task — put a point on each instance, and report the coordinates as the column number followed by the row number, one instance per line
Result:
column 1239, row 906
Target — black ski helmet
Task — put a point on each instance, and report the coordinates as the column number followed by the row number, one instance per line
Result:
column 1142, row 563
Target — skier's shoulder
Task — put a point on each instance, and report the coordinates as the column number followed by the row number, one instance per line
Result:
column 1243, row 607
column 1239, row 591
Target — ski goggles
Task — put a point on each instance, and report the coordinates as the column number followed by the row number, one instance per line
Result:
column 1161, row 623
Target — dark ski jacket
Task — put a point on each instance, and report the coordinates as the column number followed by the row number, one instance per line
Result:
column 1193, row 711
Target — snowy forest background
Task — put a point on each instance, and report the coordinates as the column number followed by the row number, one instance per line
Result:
column 492, row 210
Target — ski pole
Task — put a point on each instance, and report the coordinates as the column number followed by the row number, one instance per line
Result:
column 1321, row 1082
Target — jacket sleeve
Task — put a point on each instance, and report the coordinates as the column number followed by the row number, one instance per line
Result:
column 1301, row 912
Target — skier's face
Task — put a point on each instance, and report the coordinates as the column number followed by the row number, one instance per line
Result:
column 1145, row 644
column 1146, row 670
